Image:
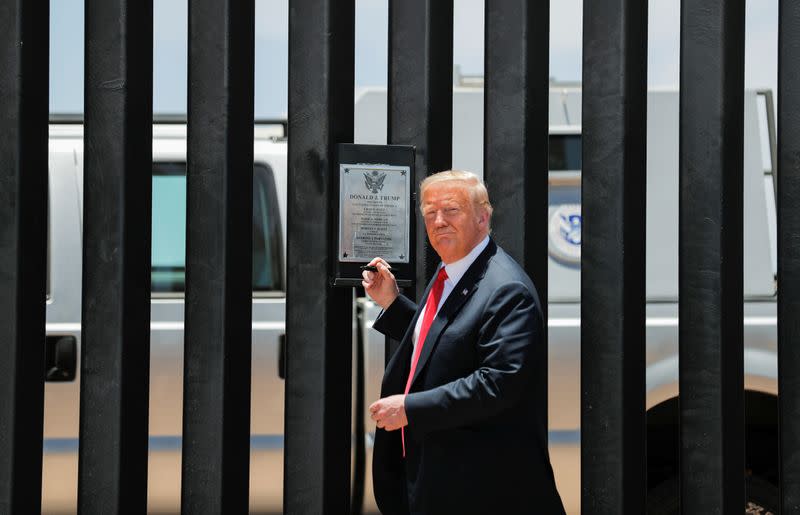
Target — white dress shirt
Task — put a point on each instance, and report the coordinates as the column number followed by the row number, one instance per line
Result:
column 455, row 271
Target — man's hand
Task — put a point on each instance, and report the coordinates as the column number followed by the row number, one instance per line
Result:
column 389, row 413
column 381, row 286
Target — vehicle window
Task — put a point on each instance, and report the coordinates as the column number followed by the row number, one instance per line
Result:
column 169, row 234
column 267, row 240
column 565, row 152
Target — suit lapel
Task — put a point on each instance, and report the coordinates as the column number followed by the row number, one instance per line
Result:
column 461, row 292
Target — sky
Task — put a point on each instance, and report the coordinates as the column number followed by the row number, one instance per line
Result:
column 170, row 54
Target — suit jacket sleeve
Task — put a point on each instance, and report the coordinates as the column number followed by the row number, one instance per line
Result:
column 510, row 329
column 395, row 319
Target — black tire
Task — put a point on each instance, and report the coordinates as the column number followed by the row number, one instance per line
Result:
column 761, row 498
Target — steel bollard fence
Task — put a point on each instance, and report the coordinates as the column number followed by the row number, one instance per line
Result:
column 614, row 128
column 23, row 250
column 218, row 312
column 115, row 319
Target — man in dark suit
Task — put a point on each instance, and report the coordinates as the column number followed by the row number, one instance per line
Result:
column 460, row 428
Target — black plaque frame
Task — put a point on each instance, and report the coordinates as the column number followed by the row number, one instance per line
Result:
column 348, row 274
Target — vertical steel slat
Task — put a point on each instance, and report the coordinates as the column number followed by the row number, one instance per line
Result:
column 613, row 466
column 516, row 131
column 420, row 97
column 24, row 30
column 710, row 256
column 516, row 128
column 115, row 355
column 789, row 252
column 318, row 316
column 219, row 207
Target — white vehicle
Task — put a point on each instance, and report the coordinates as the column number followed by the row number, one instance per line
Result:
column 760, row 251
column 166, row 336
column 269, row 237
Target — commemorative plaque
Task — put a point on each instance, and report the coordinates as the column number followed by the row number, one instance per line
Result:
column 373, row 213
column 375, row 208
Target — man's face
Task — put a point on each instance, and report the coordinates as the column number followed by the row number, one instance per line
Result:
column 453, row 223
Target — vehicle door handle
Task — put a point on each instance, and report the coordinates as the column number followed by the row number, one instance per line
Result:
column 61, row 358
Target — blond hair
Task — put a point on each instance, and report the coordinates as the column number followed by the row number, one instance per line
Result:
column 473, row 183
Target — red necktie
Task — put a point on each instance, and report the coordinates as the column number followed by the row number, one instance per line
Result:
column 431, row 305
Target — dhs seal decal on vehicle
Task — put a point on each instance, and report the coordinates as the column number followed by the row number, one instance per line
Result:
column 564, row 234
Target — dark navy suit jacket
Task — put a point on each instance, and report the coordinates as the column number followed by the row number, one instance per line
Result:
column 476, row 440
